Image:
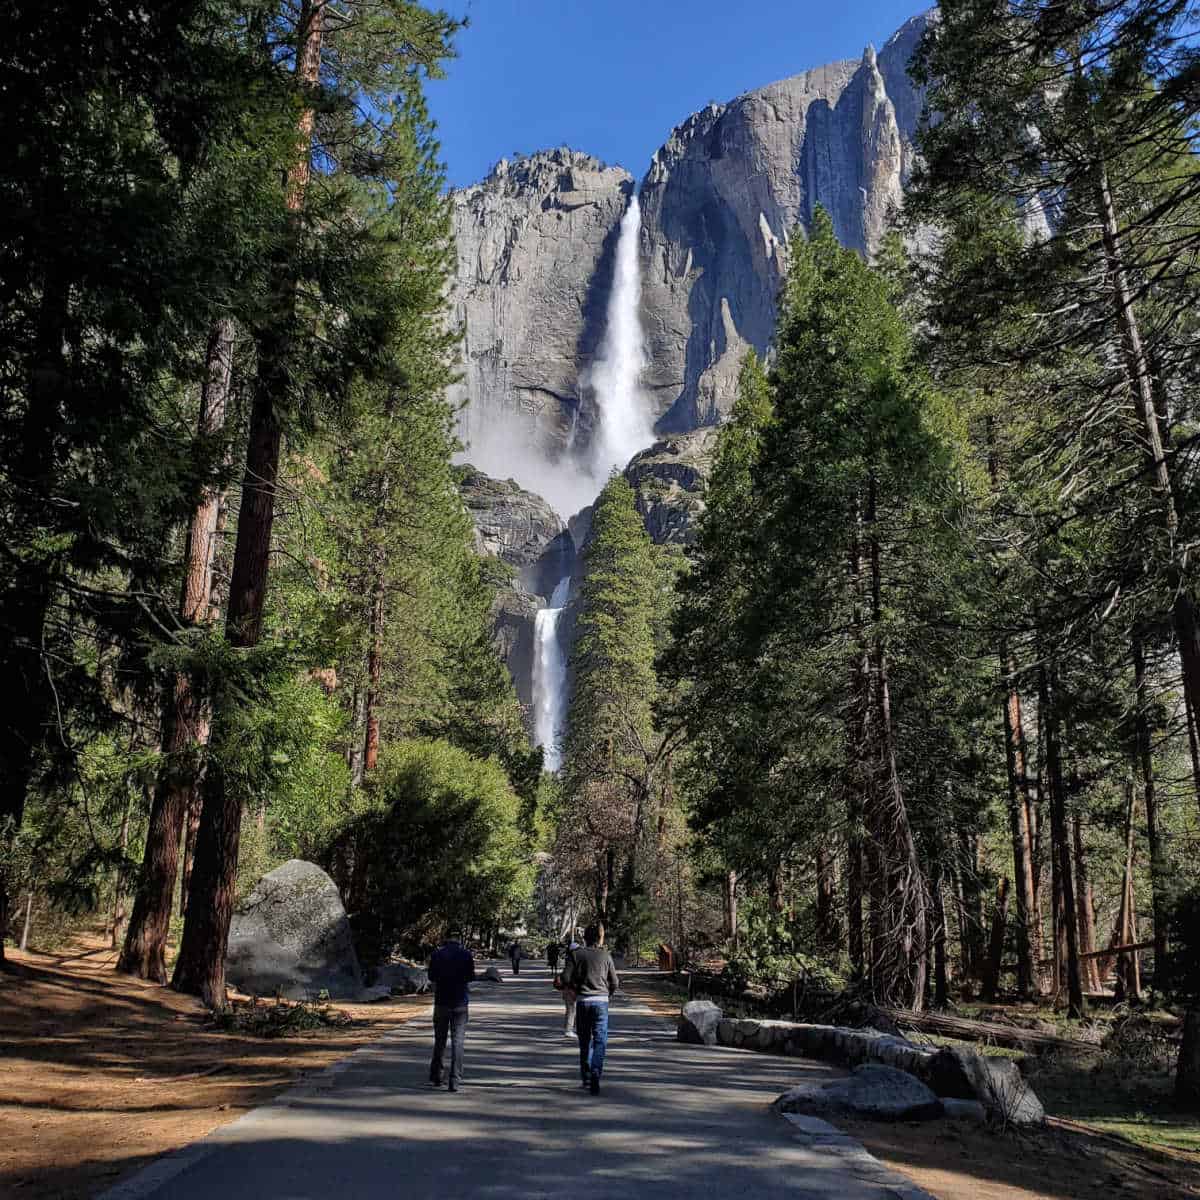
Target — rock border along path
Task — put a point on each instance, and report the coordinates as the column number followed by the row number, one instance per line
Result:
column 672, row 1121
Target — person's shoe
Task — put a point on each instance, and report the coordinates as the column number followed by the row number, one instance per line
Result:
column 435, row 1083
column 569, row 1033
column 585, row 1082
column 453, row 1086
column 594, row 1085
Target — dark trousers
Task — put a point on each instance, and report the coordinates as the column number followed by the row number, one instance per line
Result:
column 452, row 1021
column 591, row 1027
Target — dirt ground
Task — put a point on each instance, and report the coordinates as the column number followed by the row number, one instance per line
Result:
column 955, row 1161
column 100, row 1073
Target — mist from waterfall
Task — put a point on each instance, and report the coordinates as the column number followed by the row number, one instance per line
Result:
column 550, row 677
column 624, row 423
column 623, row 428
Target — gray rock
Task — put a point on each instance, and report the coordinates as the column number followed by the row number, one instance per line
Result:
column 534, row 244
column 290, row 936
column 874, row 1091
column 511, row 524
column 721, row 202
column 403, row 979
column 964, row 1110
column 698, row 1022
column 996, row 1083
column 668, row 482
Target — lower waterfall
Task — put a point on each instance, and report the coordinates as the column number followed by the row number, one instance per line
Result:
column 550, row 677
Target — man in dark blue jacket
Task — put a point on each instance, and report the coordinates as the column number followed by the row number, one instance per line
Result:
column 451, row 970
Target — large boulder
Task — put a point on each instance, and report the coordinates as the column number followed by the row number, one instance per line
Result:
column 873, row 1091
column 290, row 937
column 403, row 979
column 698, row 1022
column 996, row 1083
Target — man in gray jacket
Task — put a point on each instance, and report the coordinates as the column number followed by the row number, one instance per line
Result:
column 593, row 978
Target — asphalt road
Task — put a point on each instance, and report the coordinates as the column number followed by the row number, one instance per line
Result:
column 672, row 1121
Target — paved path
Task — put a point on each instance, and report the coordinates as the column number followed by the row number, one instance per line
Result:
column 672, row 1121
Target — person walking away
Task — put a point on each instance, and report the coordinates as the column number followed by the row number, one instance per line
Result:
column 567, row 991
column 514, row 957
column 594, row 979
column 451, row 969
column 552, row 956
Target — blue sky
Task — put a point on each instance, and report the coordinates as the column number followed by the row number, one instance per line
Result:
column 613, row 77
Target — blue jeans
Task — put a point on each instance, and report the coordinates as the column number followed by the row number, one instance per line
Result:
column 591, row 1026
column 452, row 1022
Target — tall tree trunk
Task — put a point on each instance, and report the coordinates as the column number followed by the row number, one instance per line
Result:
column 374, row 673
column 1029, row 950
column 971, row 932
column 995, row 957
column 1193, row 744
column 118, row 914
column 1085, row 909
column 731, row 907
column 185, row 720
column 1187, row 1071
column 1183, row 611
column 1061, row 846
column 1158, row 865
column 905, row 952
column 941, row 974
column 200, row 968
column 828, row 933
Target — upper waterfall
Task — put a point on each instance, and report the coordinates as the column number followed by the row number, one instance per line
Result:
column 625, row 425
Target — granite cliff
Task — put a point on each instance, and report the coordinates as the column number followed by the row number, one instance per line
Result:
column 720, row 202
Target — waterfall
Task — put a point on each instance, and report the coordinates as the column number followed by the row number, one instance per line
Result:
column 550, row 677
column 625, row 426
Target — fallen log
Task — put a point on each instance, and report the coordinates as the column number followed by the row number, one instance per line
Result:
column 988, row 1032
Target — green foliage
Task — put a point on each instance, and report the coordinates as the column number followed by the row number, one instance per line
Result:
column 437, row 845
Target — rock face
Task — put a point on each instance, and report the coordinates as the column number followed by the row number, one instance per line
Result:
column 668, row 482
column 726, row 193
column 535, row 245
column 291, row 936
column 720, row 202
column 873, row 1091
column 529, row 550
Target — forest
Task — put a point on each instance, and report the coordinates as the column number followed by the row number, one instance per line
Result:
column 916, row 717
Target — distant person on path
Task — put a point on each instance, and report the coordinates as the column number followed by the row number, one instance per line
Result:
column 514, row 957
column 568, row 992
column 451, row 970
column 594, row 980
column 552, row 956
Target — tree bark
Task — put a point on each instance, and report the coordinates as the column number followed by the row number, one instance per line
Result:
column 941, row 974
column 1084, row 903
column 828, row 933
column 374, row 674
column 1158, row 866
column 1193, row 744
column 200, row 968
column 185, row 719
column 1061, row 847
column 995, row 958
column 1187, row 1071
column 1029, row 950
column 731, row 908
column 905, row 959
